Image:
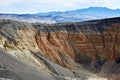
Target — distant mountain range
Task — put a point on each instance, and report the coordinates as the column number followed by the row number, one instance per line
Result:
column 78, row 15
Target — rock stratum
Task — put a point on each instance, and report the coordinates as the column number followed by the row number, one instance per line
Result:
column 87, row 50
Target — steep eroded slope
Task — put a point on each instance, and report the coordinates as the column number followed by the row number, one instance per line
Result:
column 93, row 45
column 73, row 50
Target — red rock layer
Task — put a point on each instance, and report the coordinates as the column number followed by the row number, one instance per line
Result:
column 52, row 45
column 89, row 43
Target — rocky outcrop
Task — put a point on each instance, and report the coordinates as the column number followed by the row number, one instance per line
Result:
column 64, row 50
column 91, row 44
column 18, row 40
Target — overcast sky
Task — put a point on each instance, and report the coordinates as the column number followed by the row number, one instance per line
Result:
column 35, row 6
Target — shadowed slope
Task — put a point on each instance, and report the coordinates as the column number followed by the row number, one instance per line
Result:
column 13, row 69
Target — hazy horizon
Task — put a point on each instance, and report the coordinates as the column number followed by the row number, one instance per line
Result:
column 51, row 11
column 36, row 6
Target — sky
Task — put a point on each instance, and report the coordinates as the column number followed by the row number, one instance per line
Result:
column 36, row 6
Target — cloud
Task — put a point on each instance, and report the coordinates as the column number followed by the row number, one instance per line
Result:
column 34, row 6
